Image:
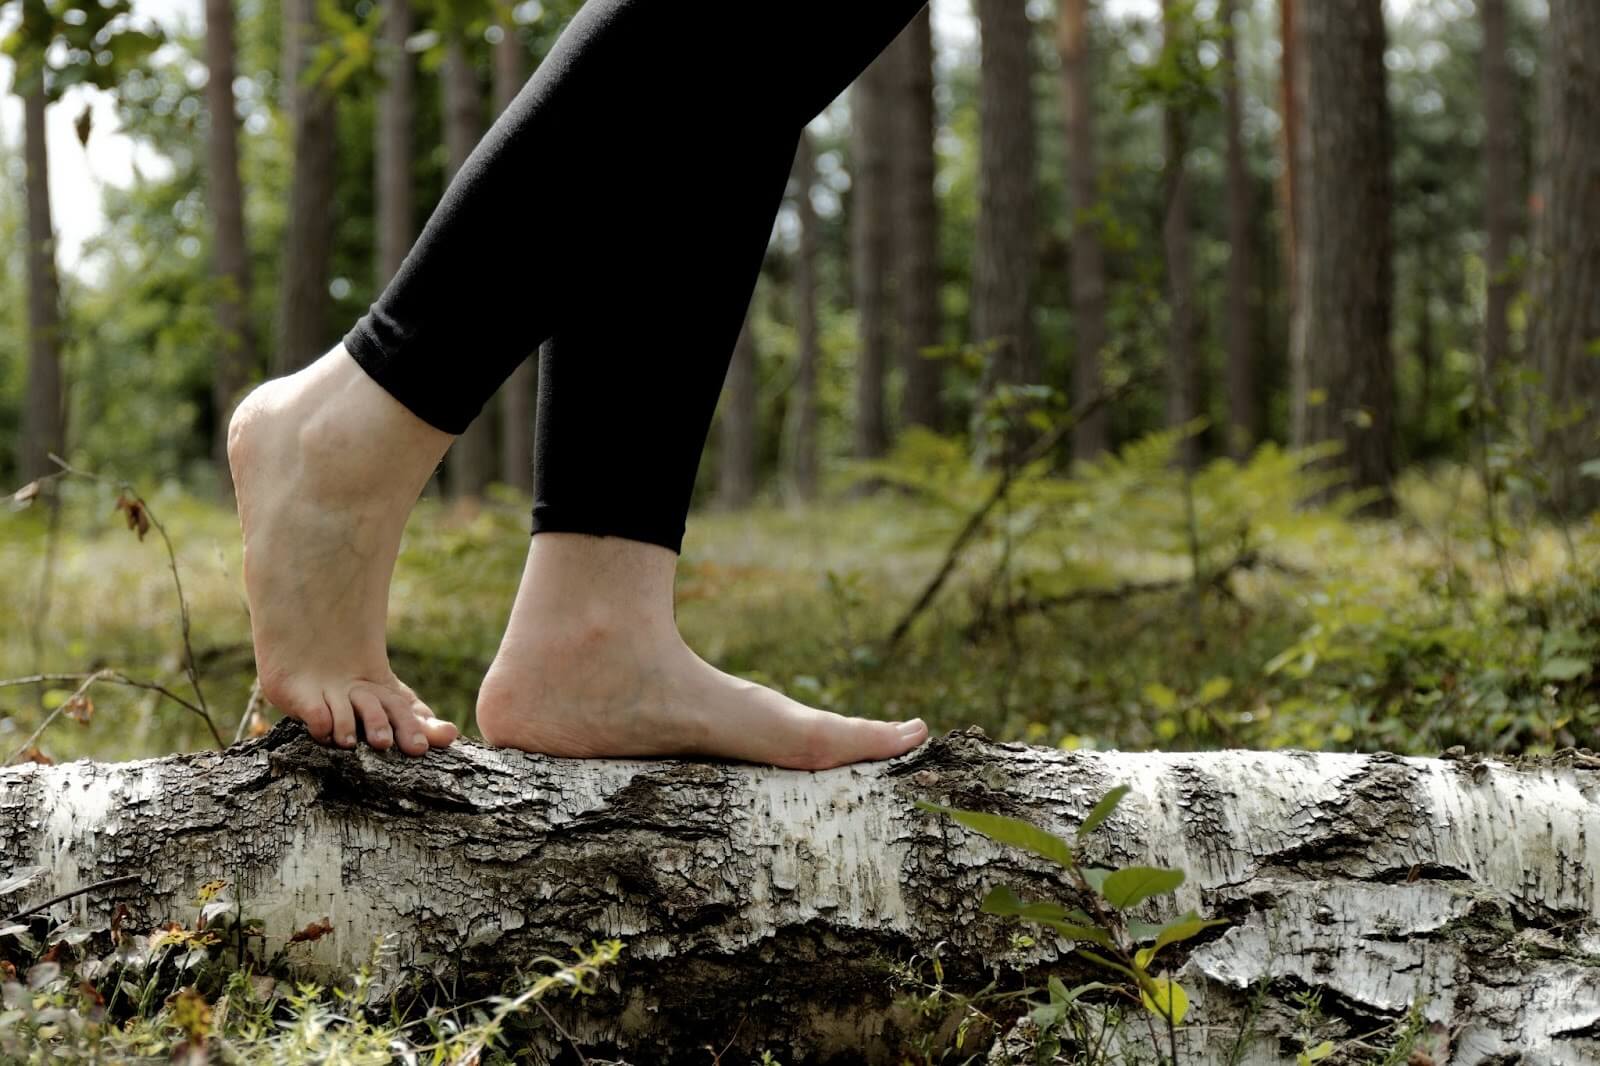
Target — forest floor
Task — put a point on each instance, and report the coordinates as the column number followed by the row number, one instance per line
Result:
column 1409, row 634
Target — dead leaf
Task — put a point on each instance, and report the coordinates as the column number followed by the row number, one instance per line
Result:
column 258, row 726
column 33, row 754
column 26, row 492
column 314, row 931
column 118, row 916
column 91, row 994
column 138, row 517
column 79, row 708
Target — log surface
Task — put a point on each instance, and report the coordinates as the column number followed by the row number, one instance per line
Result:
column 763, row 907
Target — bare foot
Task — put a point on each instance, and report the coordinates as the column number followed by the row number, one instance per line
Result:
column 592, row 665
column 327, row 466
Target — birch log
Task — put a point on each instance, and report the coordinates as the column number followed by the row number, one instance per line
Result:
column 760, row 908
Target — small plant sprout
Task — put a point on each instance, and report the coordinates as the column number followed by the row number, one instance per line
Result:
column 1102, row 930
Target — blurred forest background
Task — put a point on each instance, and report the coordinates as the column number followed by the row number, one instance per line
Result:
column 1173, row 373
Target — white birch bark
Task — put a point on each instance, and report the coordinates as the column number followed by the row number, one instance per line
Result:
column 759, row 906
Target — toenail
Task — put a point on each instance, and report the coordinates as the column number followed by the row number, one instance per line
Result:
column 418, row 739
column 349, row 738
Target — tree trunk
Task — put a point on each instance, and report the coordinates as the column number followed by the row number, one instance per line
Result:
column 736, row 456
column 1007, row 261
column 1183, row 369
column 759, row 908
column 1291, row 93
column 44, row 416
column 1091, row 436
column 517, row 394
column 1244, row 424
column 236, row 362
column 1499, row 198
column 397, row 142
column 871, row 204
column 471, row 463
column 1344, row 274
column 1566, row 306
column 916, row 225
column 303, row 301
column 802, row 458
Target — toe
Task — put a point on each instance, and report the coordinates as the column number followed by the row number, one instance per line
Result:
column 404, row 714
column 839, row 741
column 344, row 717
column 374, row 719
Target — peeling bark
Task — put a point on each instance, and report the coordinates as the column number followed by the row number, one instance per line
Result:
column 761, row 906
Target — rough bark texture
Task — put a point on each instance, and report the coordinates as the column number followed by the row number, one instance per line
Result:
column 237, row 359
column 759, row 907
column 1091, row 436
column 1183, row 364
column 1344, row 274
column 871, row 207
column 1244, row 423
column 471, row 462
column 1499, row 199
column 516, row 395
column 916, row 224
column 396, row 147
column 44, row 417
column 1007, row 260
column 1566, row 304
column 802, row 461
column 303, row 301
column 736, row 451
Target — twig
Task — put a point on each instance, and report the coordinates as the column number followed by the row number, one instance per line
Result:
column 85, row 890
column 1041, row 448
column 252, row 705
column 115, row 677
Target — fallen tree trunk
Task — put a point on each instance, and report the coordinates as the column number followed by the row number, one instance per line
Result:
column 760, row 909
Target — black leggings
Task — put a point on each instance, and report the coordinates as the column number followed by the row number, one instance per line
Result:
column 620, row 208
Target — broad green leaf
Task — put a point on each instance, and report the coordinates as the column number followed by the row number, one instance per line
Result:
column 1102, row 810
column 1001, row 900
column 1315, row 1054
column 1160, row 696
column 1071, row 931
column 1214, row 689
column 1180, row 929
column 1166, row 998
column 1126, row 887
column 1096, row 876
column 1013, row 831
column 1564, row 668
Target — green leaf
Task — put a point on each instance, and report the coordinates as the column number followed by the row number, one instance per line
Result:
column 1180, row 929
column 1001, row 900
column 1214, row 689
column 1160, row 696
column 1095, row 876
column 1102, row 810
column 1315, row 1054
column 1166, row 998
column 1013, row 831
column 1124, row 888
column 1564, row 668
column 1101, row 960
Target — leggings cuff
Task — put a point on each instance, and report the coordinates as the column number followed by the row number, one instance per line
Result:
column 426, row 402
column 547, row 519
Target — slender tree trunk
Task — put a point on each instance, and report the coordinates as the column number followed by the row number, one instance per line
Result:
column 237, row 361
column 1183, row 369
column 871, row 207
column 304, row 305
column 757, row 907
column 471, row 463
column 397, row 142
column 1566, row 306
column 736, row 480
column 916, row 225
column 1344, row 271
column 1499, row 199
column 517, row 394
column 1091, row 436
column 1291, row 93
column 1244, row 425
column 44, row 417
column 802, row 462
column 1427, row 344
column 1007, row 261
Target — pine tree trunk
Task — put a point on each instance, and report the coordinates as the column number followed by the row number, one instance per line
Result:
column 44, row 416
column 1291, row 93
column 871, row 204
column 761, row 909
column 1183, row 369
column 237, row 359
column 1244, row 425
column 1566, row 299
column 1344, row 275
column 396, row 148
column 1007, row 260
column 736, row 454
column 517, row 394
column 1499, row 199
column 916, row 225
column 471, row 462
column 1092, row 435
column 802, row 460
column 304, row 305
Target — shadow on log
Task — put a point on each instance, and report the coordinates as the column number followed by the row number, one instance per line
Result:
column 762, row 909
